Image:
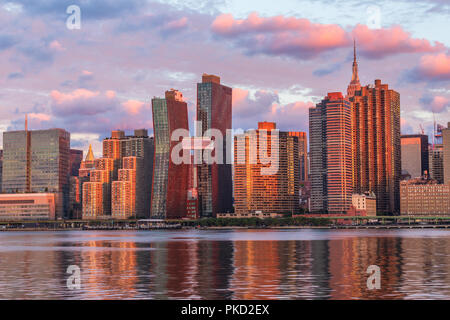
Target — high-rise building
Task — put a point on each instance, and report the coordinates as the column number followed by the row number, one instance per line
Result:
column 127, row 193
column 414, row 151
column 277, row 189
column 115, row 149
column 436, row 162
column 76, row 156
column 97, row 192
column 376, row 141
column 1, row 167
column 170, row 179
column 331, row 154
column 215, row 185
column 38, row 161
column 303, row 167
column 446, row 148
column 120, row 146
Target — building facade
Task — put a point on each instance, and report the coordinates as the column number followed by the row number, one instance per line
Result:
column 376, row 141
column 38, row 162
column 27, row 206
column 422, row 197
column 266, row 184
column 128, row 192
column 331, row 154
column 414, row 153
column 436, row 162
column 215, row 186
column 446, row 150
column 170, row 180
column 365, row 203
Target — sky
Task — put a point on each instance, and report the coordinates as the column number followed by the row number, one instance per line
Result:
column 280, row 57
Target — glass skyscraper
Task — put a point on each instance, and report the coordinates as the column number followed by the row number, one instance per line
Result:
column 215, row 180
column 38, row 161
column 170, row 180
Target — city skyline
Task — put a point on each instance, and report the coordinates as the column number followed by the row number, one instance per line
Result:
column 79, row 94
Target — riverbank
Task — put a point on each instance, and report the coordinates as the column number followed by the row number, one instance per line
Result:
column 334, row 227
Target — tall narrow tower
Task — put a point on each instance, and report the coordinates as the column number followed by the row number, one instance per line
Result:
column 354, row 84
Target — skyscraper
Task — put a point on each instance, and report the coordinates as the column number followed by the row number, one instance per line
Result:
column 115, row 149
column 170, row 180
column 97, row 192
column 214, row 113
column 446, row 148
column 376, row 142
column 436, row 162
column 38, row 161
column 331, row 154
column 414, row 151
column 127, row 193
column 76, row 156
column 256, row 191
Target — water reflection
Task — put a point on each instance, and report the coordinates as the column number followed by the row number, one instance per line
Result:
column 304, row 264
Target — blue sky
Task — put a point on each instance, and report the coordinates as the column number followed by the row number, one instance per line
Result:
column 281, row 57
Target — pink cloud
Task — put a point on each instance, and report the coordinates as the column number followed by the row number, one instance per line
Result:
column 435, row 103
column 281, row 35
column 39, row 116
column 378, row 43
column 56, row 46
column 435, row 67
column 60, row 97
column 177, row 24
column 133, row 106
column 300, row 38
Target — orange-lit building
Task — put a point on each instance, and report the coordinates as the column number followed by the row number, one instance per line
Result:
column 27, row 206
column 97, row 192
column 269, row 183
column 127, row 194
column 376, row 141
column 331, row 155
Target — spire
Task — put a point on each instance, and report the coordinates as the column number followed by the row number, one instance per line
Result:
column 90, row 154
column 355, row 76
column 355, row 85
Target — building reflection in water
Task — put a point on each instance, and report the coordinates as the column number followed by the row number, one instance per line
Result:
column 136, row 266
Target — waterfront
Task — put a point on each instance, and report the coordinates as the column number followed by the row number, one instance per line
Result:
column 226, row 264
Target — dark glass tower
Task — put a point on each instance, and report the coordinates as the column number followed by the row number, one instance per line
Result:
column 170, row 180
column 215, row 180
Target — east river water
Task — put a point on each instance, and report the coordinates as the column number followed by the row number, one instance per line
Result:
column 225, row 264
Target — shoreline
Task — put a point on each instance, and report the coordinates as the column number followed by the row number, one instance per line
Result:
column 337, row 227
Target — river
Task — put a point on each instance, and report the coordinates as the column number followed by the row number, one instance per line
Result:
column 225, row 264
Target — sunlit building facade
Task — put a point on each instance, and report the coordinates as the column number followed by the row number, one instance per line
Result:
column 38, row 162
column 257, row 187
column 414, row 153
column 376, row 141
column 331, row 154
column 27, row 206
column 215, row 180
column 127, row 193
column 170, row 180
column 97, row 192
column 424, row 197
